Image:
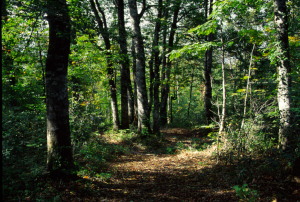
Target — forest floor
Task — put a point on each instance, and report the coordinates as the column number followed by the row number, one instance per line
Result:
column 185, row 175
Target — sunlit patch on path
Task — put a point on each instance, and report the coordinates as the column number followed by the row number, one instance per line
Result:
column 187, row 175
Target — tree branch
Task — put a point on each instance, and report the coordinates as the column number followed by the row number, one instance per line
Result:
column 144, row 8
column 102, row 13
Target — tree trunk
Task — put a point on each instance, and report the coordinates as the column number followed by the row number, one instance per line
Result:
column 283, row 68
column 59, row 155
column 125, row 71
column 208, row 70
column 155, row 49
column 163, row 106
column 135, row 112
column 103, row 30
column 131, row 106
column 142, row 100
column 166, row 71
column 247, row 89
column 151, row 78
column 223, row 113
column 190, row 94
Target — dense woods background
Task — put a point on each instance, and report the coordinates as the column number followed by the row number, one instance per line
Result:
column 75, row 71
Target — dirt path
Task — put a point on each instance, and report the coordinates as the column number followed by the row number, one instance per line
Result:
column 186, row 176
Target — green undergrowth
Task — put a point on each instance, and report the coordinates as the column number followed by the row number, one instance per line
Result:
column 95, row 153
column 23, row 152
column 195, row 144
column 245, row 193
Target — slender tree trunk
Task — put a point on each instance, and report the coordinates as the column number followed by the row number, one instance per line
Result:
column 208, row 70
column 283, row 68
column 151, row 72
column 103, row 30
column 125, row 72
column 59, row 155
column 135, row 113
column 166, row 71
column 247, row 89
column 223, row 113
column 170, row 109
column 191, row 93
column 163, row 110
column 155, row 48
column 131, row 106
column 142, row 99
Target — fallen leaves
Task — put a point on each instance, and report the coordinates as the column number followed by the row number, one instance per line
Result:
column 188, row 175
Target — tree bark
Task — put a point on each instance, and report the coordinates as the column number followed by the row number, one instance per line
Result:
column 151, row 78
column 155, row 49
column 283, row 68
column 208, row 70
column 126, row 89
column 59, row 149
column 223, row 113
column 140, row 79
column 135, row 112
column 103, row 30
column 247, row 89
column 166, row 71
column 190, row 93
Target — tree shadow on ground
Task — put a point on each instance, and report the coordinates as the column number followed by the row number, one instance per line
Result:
column 170, row 141
column 211, row 183
column 183, row 176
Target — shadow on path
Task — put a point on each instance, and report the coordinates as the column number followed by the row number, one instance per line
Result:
column 182, row 176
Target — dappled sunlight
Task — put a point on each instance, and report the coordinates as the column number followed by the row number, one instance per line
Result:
column 151, row 100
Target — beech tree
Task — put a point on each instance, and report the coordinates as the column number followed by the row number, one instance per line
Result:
column 284, row 69
column 140, row 79
column 127, row 103
column 59, row 158
column 202, row 65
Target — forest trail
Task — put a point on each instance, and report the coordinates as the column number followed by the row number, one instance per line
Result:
column 180, row 174
column 183, row 176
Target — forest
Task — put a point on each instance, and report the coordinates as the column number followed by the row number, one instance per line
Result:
column 150, row 100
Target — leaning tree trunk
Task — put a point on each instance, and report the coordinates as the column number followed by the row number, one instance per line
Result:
column 283, row 67
column 103, row 31
column 166, row 71
column 247, row 89
column 59, row 156
column 140, row 78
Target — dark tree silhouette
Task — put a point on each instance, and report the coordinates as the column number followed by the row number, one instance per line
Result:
column 59, row 147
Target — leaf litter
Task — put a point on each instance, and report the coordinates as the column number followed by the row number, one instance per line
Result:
column 186, row 175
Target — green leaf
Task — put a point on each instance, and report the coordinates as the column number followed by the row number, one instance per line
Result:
column 194, row 50
column 207, row 28
column 241, row 90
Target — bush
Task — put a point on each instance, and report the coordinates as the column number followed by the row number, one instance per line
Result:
column 95, row 153
column 245, row 193
column 24, row 151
